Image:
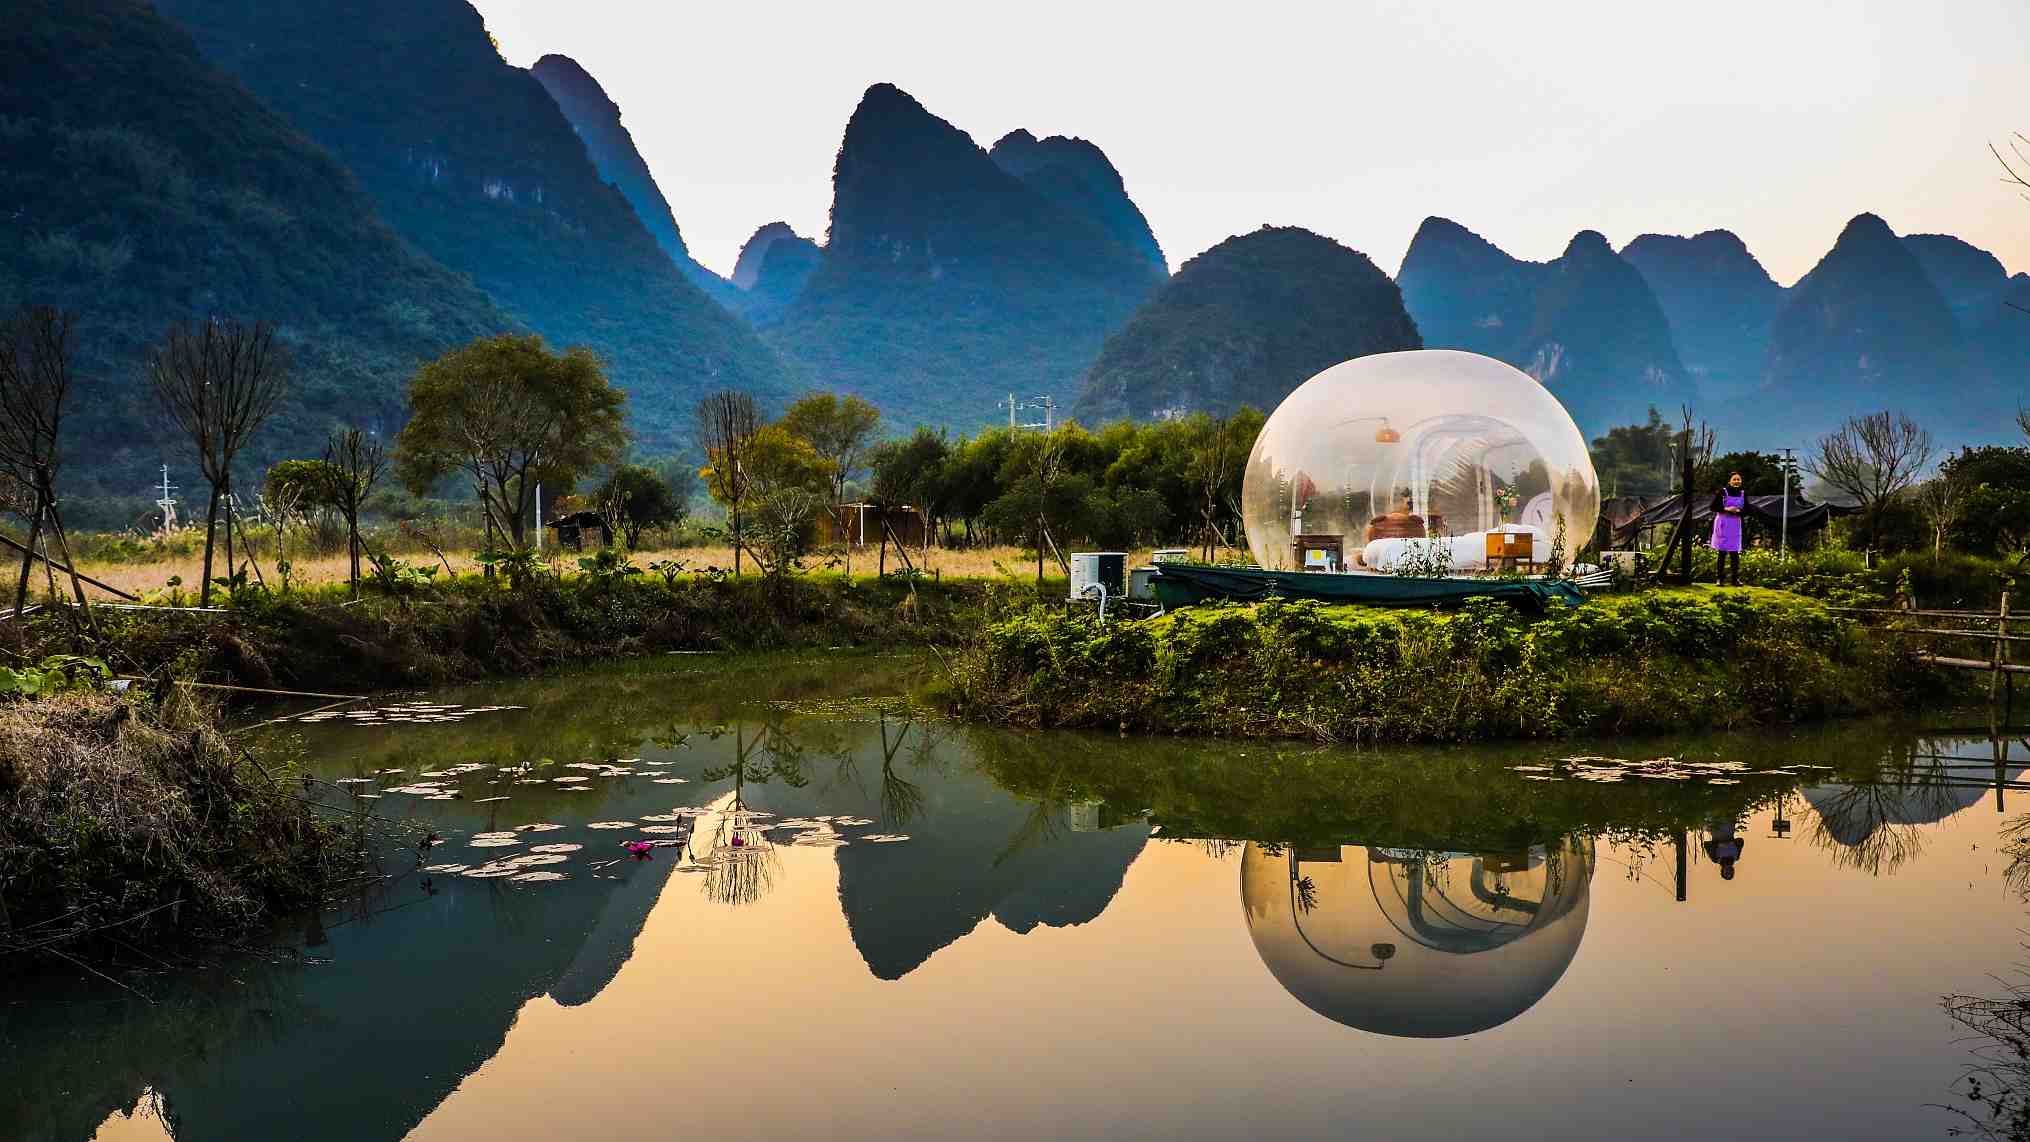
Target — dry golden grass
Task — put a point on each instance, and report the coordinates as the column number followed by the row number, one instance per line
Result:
column 965, row 563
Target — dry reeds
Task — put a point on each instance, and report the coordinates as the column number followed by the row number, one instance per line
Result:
column 128, row 821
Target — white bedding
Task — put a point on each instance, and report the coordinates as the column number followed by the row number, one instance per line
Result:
column 1464, row 552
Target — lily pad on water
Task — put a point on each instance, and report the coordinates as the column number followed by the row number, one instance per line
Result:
column 539, row 877
column 662, row 817
column 530, row 860
column 558, row 848
column 611, row 825
column 662, row 828
column 567, row 780
column 445, row 868
column 538, row 827
column 488, row 870
column 492, row 842
column 885, row 838
column 673, row 781
column 507, row 834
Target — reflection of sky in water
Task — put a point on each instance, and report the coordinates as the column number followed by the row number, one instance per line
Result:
column 1019, row 969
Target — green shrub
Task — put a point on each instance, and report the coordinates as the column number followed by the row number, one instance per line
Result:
column 1655, row 660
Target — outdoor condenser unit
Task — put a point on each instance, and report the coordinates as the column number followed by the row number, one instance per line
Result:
column 1106, row 568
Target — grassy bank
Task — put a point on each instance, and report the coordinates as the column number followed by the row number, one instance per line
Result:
column 1652, row 662
column 471, row 628
column 124, row 823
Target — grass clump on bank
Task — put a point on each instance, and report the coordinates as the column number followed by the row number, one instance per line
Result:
column 129, row 823
column 1656, row 661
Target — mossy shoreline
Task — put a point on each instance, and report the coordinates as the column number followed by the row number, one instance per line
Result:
column 472, row 629
column 1657, row 661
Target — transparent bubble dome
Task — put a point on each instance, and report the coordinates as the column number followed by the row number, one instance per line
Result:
column 1416, row 445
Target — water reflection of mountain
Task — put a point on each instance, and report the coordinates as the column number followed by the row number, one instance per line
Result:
column 977, row 851
column 408, row 1002
column 1415, row 943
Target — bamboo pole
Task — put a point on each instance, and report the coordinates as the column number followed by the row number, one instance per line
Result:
column 28, row 554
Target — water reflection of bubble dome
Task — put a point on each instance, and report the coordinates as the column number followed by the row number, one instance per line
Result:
column 1417, row 944
column 1412, row 445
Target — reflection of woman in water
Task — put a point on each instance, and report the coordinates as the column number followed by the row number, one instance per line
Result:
column 1723, row 847
column 1729, row 504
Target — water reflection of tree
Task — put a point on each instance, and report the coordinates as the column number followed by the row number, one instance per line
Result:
column 1995, row 1087
column 1858, row 826
column 1873, row 824
column 741, row 863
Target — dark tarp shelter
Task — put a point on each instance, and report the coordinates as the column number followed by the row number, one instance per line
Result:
column 571, row 529
column 1806, row 518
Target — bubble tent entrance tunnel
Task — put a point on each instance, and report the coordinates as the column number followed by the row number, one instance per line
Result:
column 1411, row 446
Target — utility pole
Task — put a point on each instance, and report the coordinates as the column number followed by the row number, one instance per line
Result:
column 1011, row 414
column 167, row 503
column 1783, row 537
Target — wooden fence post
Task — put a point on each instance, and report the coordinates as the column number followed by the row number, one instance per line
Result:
column 2001, row 654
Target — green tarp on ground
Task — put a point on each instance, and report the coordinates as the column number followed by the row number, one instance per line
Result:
column 1181, row 584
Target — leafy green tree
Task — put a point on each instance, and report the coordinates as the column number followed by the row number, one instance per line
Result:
column 1635, row 459
column 1761, row 473
column 1994, row 517
column 642, row 499
column 509, row 414
column 840, row 428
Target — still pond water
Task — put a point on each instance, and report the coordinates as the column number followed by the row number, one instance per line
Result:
column 996, row 935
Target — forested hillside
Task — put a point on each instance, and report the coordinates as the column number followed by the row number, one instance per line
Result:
column 140, row 186
column 1243, row 324
column 472, row 160
column 948, row 282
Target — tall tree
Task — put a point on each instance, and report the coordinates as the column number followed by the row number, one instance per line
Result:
column 219, row 381
column 726, row 423
column 1872, row 458
column 35, row 377
column 635, row 498
column 840, row 428
column 509, row 414
column 354, row 462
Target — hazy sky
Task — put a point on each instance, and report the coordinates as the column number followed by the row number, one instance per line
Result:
column 1777, row 119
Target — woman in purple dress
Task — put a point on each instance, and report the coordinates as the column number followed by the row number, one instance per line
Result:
column 1729, row 504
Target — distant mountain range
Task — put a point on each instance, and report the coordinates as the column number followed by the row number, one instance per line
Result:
column 773, row 268
column 1585, row 324
column 1917, row 323
column 1243, row 324
column 371, row 175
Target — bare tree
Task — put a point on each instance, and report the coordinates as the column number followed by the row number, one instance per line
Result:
column 1212, row 467
column 726, row 423
column 35, row 377
column 2023, row 420
column 219, row 381
column 356, row 461
column 1872, row 458
column 1943, row 499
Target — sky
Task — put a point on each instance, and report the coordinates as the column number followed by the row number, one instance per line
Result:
column 1777, row 119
